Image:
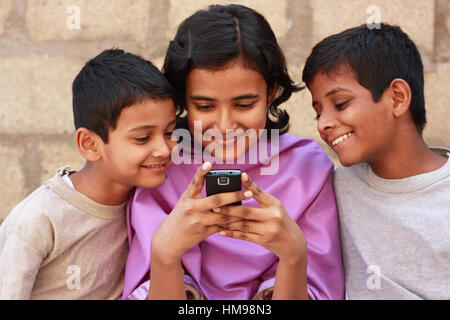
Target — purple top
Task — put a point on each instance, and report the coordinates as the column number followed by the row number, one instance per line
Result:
column 227, row 268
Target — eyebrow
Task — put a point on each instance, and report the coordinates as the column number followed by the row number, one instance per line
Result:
column 148, row 127
column 241, row 97
column 246, row 96
column 329, row 93
column 142, row 128
column 336, row 90
column 202, row 98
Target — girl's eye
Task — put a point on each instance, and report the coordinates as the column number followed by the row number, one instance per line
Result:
column 245, row 106
column 317, row 117
column 168, row 134
column 142, row 139
column 203, row 107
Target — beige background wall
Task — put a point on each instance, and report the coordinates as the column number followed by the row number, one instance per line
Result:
column 40, row 54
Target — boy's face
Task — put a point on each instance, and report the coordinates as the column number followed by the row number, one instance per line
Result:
column 139, row 149
column 349, row 121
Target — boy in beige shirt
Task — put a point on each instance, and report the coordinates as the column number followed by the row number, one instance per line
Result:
column 68, row 239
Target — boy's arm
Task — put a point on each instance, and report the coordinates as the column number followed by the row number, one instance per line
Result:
column 20, row 260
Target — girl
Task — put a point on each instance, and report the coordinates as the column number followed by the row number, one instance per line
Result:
column 283, row 242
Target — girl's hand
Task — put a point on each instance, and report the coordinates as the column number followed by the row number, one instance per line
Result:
column 269, row 226
column 192, row 220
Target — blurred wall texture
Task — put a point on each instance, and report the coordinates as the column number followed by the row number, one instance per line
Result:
column 44, row 43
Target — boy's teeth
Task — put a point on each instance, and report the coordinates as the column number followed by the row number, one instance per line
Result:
column 341, row 138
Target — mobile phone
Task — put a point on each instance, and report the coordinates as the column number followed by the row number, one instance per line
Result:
column 218, row 181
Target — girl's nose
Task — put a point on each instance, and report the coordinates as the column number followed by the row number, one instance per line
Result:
column 225, row 121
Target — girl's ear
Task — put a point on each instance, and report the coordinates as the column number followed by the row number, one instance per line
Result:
column 88, row 144
column 401, row 96
column 271, row 94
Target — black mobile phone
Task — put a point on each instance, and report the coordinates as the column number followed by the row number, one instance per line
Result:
column 218, row 181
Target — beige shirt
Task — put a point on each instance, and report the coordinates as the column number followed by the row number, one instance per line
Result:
column 59, row 244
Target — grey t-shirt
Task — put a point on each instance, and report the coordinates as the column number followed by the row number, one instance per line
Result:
column 395, row 233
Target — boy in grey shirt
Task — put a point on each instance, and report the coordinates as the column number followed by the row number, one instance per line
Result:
column 393, row 191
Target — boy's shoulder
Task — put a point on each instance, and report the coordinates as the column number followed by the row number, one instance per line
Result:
column 350, row 180
column 356, row 171
column 346, row 178
column 442, row 151
column 42, row 197
column 32, row 217
column 56, row 203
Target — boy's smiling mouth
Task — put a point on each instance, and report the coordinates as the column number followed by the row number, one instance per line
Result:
column 341, row 138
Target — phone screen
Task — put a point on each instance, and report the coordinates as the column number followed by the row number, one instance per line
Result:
column 218, row 181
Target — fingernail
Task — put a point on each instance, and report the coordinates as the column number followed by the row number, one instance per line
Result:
column 245, row 177
column 248, row 194
column 222, row 233
column 216, row 210
column 206, row 166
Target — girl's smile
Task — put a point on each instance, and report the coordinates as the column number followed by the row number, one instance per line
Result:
column 228, row 102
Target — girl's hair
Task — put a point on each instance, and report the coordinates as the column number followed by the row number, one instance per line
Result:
column 209, row 39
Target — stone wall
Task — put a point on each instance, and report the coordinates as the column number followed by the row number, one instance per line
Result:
column 42, row 48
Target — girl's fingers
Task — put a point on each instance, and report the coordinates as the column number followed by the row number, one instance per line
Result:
column 259, row 194
column 245, row 212
column 237, row 234
column 213, row 229
column 196, row 185
column 222, row 199
column 248, row 226
column 211, row 218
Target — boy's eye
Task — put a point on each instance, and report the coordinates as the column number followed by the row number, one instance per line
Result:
column 341, row 105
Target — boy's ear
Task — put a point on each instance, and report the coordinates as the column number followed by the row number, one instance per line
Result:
column 401, row 96
column 88, row 144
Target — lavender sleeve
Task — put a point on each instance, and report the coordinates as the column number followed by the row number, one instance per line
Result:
column 319, row 223
column 320, row 226
column 191, row 287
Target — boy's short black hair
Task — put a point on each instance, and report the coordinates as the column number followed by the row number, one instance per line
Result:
column 110, row 82
column 376, row 56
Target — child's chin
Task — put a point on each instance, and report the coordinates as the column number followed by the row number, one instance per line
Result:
column 155, row 183
column 347, row 162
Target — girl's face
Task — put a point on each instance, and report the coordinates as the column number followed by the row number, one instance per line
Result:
column 233, row 99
